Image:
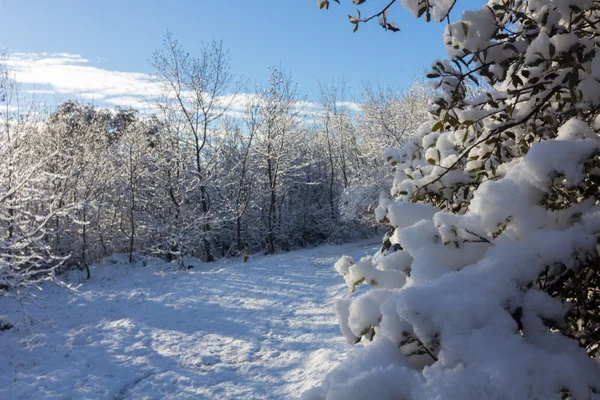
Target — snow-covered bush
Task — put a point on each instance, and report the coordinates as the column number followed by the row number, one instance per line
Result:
column 28, row 205
column 488, row 282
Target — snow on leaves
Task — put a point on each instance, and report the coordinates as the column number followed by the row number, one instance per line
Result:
column 500, row 292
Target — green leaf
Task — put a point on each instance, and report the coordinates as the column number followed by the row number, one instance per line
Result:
column 517, row 80
column 536, row 62
column 471, row 77
column 510, row 46
column 355, row 284
column 465, row 28
column 431, row 161
column 573, row 78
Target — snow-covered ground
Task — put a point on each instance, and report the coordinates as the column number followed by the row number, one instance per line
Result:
column 263, row 329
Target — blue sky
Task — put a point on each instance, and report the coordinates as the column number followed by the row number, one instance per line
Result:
column 113, row 35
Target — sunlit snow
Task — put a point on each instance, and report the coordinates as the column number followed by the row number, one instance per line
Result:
column 261, row 329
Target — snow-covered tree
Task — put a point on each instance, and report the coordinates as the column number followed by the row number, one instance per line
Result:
column 278, row 145
column 85, row 138
column 387, row 117
column 199, row 90
column 28, row 205
column 488, row 282
column 393, row 115
column 237, row 175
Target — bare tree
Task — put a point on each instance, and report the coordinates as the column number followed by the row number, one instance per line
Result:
column 238, row 167
column 392, row 115
column 203, row 89
column 278, row 128
column 336, row 125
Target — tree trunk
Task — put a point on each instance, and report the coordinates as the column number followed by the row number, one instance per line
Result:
column 205, row 207
column 271, row 223
column 238, row 231
column 132, row 206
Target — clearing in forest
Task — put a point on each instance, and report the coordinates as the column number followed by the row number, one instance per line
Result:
column 261, row 329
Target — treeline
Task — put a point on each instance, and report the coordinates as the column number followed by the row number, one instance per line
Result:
column 196, row 177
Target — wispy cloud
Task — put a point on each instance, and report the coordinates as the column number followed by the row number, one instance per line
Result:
column 137, row 103
column 71, row 74
column 65, row 74
column 41, row 91
column 350, row 105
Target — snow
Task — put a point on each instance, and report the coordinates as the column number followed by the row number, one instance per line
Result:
column 452, row 321
column 262, row 329
column 497, row 296
column 539, row 48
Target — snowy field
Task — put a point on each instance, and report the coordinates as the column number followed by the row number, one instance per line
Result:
column 263, row 329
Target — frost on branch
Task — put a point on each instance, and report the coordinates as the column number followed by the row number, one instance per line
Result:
column 494, row 222
column 28, row 207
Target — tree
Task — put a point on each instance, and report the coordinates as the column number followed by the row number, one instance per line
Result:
column 238, row 169
column 27, row 206
column 200, row 90
column 487, row 284
column 335, row 123
column 391, row 115
column 277, row 135
column 134, row 173
column 173, row 217
column 388, row 117
column 83, row 139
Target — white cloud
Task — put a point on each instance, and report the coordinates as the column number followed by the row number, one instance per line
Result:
column 134, row 102
column 73, row 75
column 238, row 101
column 9, row 109
column 315, row 108
column 350, row 105
column 41, row 91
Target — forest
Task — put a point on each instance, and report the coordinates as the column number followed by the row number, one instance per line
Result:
column 194, row 177
column 192, row 248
